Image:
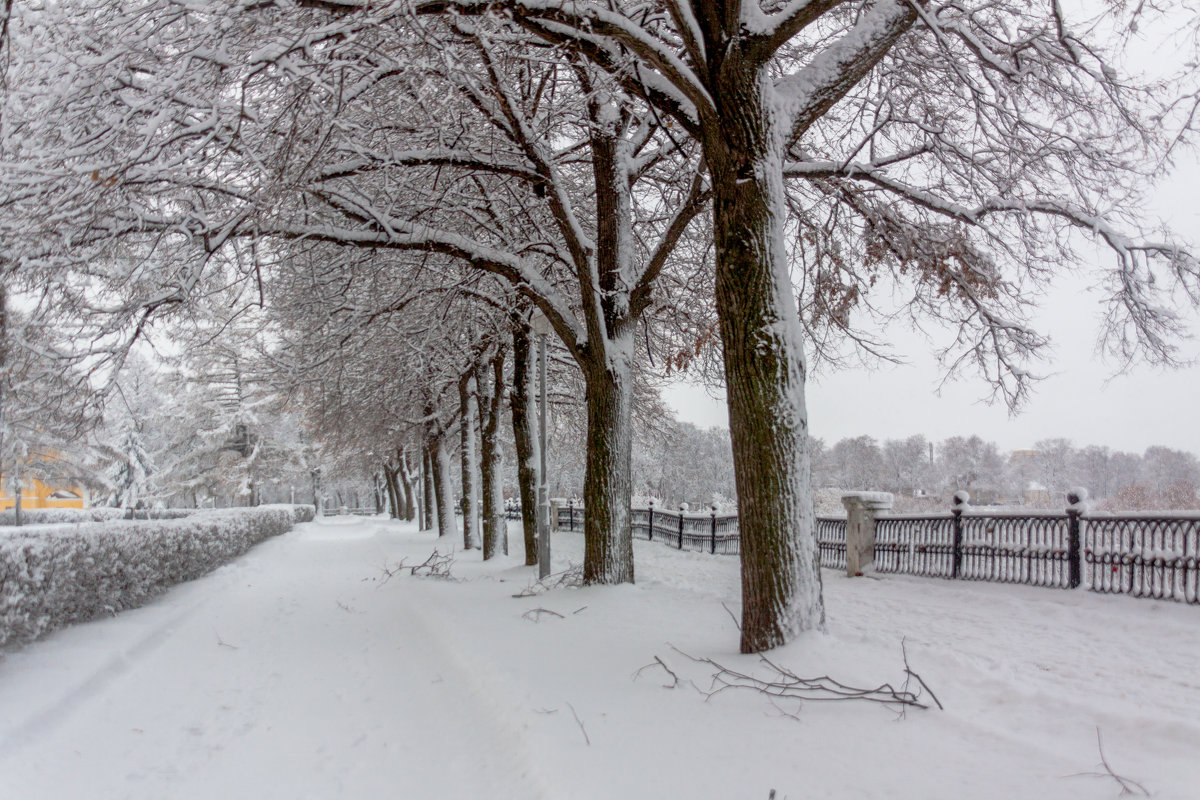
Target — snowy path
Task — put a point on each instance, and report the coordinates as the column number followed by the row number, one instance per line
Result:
column 286, row 672
column 297, row 672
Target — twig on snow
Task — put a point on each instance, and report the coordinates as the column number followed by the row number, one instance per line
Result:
column 732, row 616
column 658, row 662
column 580, row 723
column 1128, row 785
column 535, row 614
column 571, row 576
column 222, row 643
column 908, row 671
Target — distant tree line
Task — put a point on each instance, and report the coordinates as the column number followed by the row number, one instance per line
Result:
column 683, row 463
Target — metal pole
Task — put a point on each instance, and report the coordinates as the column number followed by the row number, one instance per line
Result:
column 543, row 486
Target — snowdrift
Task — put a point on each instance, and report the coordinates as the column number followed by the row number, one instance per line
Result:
column 54, row 575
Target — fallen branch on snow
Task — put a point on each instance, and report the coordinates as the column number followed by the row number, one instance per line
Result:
column 784, row 684
column 569, row 577
column 436, row 566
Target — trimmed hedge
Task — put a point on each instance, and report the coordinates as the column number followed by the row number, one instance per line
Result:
column 52, row 576
column 58, row 516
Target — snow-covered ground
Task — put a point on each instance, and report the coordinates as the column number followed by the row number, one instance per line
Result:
column 300, row 672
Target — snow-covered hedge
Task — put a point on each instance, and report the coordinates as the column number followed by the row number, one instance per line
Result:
column 54, row 516
column 51, row 576
column 159, row 513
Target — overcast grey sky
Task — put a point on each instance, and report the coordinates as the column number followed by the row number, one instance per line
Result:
column 1082, row 400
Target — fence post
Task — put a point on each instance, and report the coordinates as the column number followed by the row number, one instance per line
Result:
column 1078, row 504
column 571, row 512
column 650, row 530
column 861, row 508
column 713, row 542
column 683, row 507
column 961, row 500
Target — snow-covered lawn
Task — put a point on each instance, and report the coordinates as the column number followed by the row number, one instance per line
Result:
column 300, row 672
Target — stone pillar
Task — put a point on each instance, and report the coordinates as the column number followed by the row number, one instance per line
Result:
column 861, row 508
column 555, row 504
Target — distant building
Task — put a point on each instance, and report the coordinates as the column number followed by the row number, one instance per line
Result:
column 35, row 494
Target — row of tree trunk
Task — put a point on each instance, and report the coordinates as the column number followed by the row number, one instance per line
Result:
column 424, row 491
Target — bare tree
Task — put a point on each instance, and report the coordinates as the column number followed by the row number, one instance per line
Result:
column 922, row 136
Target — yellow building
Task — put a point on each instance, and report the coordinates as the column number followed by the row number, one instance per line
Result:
column 35, row 494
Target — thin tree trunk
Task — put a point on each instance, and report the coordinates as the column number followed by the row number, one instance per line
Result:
column 469, row 457
column 764, row 369
column 491, row 398
column 607, row 485
column 391, row 486
column 429, row 506
column 521, row 402
column 410, row 493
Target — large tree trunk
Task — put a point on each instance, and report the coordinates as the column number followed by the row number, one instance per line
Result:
column 469, row 454
column 764, row 367
column 607, row 486
column 491, row 398
column 443, row 486
column 521, row 403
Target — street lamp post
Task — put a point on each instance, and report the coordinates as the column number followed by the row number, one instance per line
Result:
column 541, row 328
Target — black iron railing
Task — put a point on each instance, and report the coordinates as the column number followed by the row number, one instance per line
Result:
column 831, row 541
column 1142, row 555
column 709, row 533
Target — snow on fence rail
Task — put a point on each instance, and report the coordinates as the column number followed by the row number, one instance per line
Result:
column 1154, row 555
column 51, row 576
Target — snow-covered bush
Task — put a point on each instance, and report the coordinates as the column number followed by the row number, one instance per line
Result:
column 54, row 516
column 54, row 576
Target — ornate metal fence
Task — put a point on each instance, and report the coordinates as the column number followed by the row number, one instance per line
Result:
column 707, row 533
column 1143, row 555
column 915, row 545
column 831, row 541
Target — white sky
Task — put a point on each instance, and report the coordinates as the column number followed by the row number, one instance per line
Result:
column 1082, row 400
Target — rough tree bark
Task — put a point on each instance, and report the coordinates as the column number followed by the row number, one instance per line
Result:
column 391, row 484
column 764, row 372
column 407, row 483
column 469, row 455
column 429, row 504
column 523, row 416
column 491, row 400
column 607, row 486
column 443, row 485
